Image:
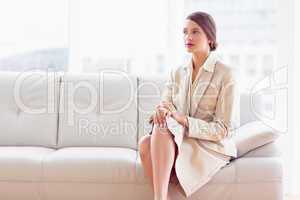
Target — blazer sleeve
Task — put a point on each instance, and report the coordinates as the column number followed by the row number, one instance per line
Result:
column 219, row 127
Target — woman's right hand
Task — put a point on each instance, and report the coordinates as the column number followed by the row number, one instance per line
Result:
column 159, row 116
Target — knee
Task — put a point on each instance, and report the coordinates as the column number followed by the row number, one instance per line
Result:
column 162, row 136
column 159, row 132
column 144, row 146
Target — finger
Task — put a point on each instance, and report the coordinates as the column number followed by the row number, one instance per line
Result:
column 155, row 119
column 163, row 115
column 163, row 119
column 158, row 118
column 162, row 112
column 166, row 115
column 166, row 122
column 157, row 115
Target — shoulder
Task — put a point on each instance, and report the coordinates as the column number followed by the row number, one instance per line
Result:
column 224, row 72
column 179, row 71
column 223, row 69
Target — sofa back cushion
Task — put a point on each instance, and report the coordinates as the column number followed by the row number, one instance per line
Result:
column 28, row 108
column 98, row 110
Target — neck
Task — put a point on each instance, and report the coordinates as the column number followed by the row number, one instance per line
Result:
column 199, row 59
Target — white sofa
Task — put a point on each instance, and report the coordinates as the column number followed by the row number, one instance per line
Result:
column 74, row 136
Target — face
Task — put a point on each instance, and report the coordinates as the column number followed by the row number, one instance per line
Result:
column 195, row 39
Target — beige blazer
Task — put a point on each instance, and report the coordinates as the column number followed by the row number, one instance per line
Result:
column 208, row 103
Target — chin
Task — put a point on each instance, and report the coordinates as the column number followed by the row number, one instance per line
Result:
column 190, row 50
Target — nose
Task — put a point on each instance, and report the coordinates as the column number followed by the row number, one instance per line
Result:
column 188, row 38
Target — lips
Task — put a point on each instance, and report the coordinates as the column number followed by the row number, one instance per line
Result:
column 189, row 45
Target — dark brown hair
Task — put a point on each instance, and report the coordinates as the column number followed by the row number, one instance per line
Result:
column 207, row 23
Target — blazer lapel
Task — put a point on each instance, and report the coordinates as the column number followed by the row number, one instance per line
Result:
column 185, row 101
column 203, row 82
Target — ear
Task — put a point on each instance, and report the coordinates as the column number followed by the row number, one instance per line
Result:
column 209, row 43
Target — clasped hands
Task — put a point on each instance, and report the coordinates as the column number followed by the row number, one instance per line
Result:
column 166, row 109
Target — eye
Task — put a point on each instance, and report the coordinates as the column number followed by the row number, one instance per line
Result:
column 196, row 32
column 184, row 32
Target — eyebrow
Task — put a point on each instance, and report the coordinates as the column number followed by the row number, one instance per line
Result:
column 192, row 29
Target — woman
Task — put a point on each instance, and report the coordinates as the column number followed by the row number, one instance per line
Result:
column 191, row 133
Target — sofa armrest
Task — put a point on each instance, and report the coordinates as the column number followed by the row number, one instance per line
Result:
column 252, row 136
column 272, row 149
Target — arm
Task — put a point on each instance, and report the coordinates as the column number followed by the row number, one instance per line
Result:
column 219, row 128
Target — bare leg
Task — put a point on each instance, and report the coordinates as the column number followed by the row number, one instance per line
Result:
column 145, row 154
column 163, row 155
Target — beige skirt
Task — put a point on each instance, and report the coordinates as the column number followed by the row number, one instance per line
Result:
column 206, row 151
column 211, row 161
column 208, row 157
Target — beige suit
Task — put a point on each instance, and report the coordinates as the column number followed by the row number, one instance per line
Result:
column 208, row 103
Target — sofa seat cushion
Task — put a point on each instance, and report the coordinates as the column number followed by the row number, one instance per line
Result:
column 22, row 163
column 272, row 149
column 242, row 170
column 91, row 164
column 250, row 170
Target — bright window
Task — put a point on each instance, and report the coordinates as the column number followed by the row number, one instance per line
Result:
column 34, row 35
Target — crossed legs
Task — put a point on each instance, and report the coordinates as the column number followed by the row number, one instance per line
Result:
column 157, row 152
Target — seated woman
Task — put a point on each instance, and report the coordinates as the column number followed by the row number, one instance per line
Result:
column 191, row 138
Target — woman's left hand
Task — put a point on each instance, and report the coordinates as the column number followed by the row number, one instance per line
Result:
column 180, row 118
